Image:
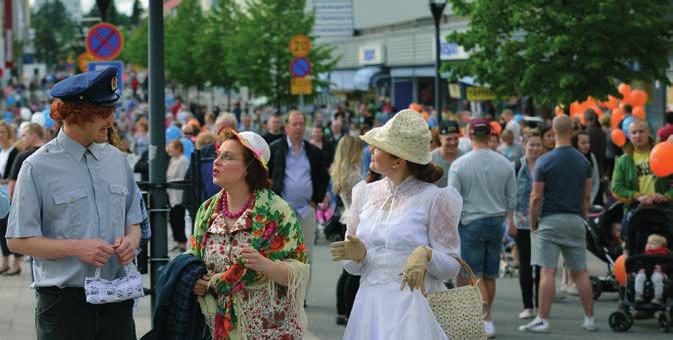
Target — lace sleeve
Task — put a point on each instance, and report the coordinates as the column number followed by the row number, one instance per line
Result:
column 352, row 218
column 445, row 214
column 352, row 221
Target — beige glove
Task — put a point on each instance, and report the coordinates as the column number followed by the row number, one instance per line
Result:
column 352, row 249
column 413, row 272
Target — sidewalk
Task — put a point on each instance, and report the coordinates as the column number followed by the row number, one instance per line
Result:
column 17, row 309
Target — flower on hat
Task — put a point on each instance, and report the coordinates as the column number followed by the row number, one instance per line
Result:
column 259, row 153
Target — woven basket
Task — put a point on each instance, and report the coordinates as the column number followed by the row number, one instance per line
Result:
column 460, row 311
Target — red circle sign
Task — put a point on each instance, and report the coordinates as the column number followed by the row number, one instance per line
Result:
column 104, row 41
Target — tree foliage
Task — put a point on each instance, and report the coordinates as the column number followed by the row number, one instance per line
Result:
column 112, row 16
column 55, row 33
column 136, row 45
column 182, row 32
column 213, row 49
column 561, row 51
column 136, row 13
column 261, row 43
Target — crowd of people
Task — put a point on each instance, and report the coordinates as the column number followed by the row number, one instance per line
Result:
column 401, row 214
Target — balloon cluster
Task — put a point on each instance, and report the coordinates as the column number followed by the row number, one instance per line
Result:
column 619, row 121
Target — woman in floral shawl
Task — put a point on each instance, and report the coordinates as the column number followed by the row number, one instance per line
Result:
column 251, row 242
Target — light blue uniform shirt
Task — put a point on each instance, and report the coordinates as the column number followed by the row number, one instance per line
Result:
column 66, row 191
column 298, row 185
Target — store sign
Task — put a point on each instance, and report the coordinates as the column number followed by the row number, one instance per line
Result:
column 450, row 50
column 454, row 90
column 476, row 93
column 333, row 18
column 371, row 54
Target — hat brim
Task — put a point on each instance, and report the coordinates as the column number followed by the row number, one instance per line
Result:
column 110, row 100
column 372, row 138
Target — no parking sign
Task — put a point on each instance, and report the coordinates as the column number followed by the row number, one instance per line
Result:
column 104, row 42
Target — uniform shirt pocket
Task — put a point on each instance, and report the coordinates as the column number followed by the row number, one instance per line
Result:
column 72, row 211
column 118, row 195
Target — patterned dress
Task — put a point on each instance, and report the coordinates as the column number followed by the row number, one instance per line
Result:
column 242, row 303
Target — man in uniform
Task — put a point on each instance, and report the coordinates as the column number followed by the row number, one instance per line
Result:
column 75, row 209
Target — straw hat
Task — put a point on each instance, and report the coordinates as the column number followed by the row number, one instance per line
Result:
column 406, row 136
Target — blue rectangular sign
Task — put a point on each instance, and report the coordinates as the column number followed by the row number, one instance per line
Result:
column 98, row 65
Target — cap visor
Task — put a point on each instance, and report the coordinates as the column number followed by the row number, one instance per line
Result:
column 110, row 100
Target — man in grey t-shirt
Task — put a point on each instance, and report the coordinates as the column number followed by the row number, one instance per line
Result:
column 485, row 179
column 448, row 152
column 558, row 205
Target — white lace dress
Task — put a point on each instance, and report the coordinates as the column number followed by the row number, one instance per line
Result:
column 393, row 222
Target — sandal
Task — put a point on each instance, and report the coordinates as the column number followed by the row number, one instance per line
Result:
column 3, row 270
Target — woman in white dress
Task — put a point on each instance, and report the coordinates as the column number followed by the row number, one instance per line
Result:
column 402, row 236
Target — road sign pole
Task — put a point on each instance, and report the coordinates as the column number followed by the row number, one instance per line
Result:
column 157, row 154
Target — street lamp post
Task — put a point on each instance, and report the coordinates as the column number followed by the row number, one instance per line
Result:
column 437, row 9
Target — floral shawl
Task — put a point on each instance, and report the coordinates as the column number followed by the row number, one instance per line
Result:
column 276, row 234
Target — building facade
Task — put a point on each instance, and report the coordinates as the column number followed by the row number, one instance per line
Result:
column 390, row 49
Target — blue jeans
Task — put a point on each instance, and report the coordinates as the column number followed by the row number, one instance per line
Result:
column 481, row 244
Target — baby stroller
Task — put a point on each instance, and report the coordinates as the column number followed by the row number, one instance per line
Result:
column 602, row 244
column 644, row 222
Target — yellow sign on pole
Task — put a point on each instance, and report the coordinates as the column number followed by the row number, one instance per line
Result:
column 479, row 94
column 300, row 86
column 454, row 90
column 300, row 45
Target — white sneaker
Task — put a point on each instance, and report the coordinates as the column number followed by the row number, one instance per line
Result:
column 490, row 329
column 536, row 326
column 526, row 314
column 590, row 324
column 572, row 290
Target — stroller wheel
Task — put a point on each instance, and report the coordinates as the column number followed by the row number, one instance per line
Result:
column 665, row 321
column 620, row 321
column 596, row 287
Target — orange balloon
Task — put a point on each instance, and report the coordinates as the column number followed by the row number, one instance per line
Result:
column 638, row 98
column 618, row 137
column 575, row 108
column 639, row 112
column 625, row 90
column 620, row 270
column 661, row 159
column 416, row 107
column 496, row 128
column 612, row 103
column 617, row 116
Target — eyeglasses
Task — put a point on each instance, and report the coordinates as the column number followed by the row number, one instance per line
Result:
column 226, row 157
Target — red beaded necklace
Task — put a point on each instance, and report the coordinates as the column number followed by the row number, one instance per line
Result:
column 224, row 207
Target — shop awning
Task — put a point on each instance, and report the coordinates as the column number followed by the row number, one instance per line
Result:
column 364, row 76
column 342, row 80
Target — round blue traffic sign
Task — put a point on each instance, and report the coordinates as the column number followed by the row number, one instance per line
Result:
column 300, row 67
column 104, row 41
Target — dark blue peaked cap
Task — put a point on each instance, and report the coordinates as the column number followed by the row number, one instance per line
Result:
column 97, row 87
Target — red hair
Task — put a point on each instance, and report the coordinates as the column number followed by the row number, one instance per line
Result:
column 78, row 113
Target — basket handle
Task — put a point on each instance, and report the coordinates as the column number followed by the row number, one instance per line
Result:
column 470, row 274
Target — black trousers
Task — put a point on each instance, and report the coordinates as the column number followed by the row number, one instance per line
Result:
column 177, row 219
column 64, row 314
column 347, row 288
column 529, row 276
column 3, row 239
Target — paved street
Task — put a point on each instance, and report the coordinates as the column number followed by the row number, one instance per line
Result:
column 17, row 301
